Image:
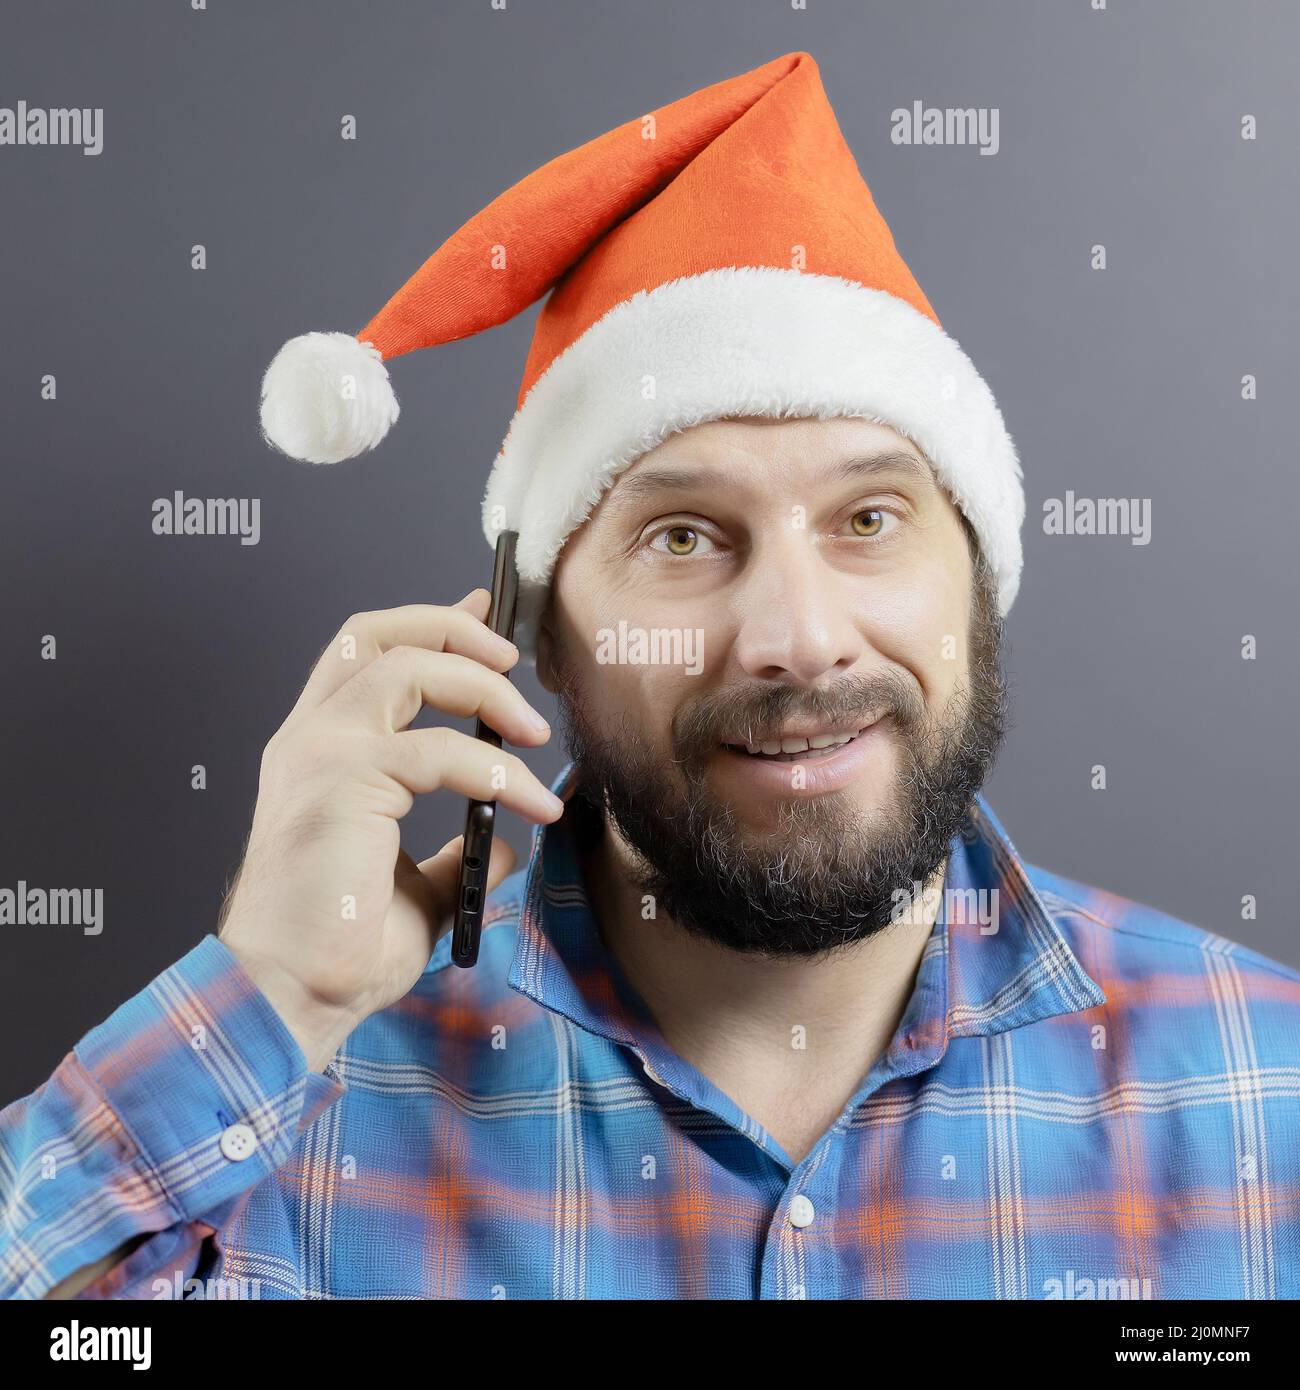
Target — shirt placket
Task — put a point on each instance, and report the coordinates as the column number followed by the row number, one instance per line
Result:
column 802, row 1258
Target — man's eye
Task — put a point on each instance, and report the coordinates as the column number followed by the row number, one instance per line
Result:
column 681, row 540
column 869, row 522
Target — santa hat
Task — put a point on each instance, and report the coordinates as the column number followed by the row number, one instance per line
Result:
column 720, row 256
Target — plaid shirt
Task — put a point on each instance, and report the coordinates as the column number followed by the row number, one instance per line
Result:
column 1092, row 1101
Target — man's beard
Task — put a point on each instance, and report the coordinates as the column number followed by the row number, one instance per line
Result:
column 825, row 874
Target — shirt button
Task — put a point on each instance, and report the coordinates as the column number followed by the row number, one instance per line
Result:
column 802, row 1212
column 238, row 1142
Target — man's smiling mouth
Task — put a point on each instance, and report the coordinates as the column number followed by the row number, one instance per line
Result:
column 800, row 746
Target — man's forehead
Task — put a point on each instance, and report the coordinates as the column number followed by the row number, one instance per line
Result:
column 738, row 452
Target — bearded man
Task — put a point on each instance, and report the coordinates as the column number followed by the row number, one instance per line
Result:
column 774, row 1009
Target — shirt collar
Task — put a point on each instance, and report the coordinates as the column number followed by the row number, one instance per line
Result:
column 996, row 958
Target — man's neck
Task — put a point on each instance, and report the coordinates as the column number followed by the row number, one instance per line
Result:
column 788, row 1040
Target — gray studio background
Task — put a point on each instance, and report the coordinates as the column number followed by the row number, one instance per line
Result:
column 222, row 128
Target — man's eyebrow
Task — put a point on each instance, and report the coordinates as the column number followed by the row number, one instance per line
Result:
column 646, row 482
column 891, row 461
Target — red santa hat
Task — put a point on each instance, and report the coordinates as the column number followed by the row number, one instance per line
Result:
column 719, row 256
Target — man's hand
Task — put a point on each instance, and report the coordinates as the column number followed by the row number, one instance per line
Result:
column 328, row 915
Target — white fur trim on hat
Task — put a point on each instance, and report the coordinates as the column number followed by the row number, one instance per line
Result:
column 760, row 341
column 326, row 397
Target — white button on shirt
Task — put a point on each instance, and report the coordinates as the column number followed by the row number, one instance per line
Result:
column 238, row 1142
column 802, row 1211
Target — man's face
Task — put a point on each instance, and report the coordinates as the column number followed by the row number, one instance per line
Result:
column 778, row 674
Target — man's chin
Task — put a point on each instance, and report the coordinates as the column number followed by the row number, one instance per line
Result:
column 776, row 872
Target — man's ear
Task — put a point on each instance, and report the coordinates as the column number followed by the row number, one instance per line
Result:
column 545, row 648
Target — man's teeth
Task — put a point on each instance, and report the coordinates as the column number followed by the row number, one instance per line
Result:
column 800, row 745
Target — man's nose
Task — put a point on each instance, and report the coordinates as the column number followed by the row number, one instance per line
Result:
column 795, row 616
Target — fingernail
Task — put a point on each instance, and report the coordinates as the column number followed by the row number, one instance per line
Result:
column 535, row 721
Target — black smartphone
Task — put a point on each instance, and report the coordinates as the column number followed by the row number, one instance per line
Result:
column 480, row 817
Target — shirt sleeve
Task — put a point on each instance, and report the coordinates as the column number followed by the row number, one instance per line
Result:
column 160, row 1122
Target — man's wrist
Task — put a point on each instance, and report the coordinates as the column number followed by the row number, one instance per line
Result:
column 318, row 1029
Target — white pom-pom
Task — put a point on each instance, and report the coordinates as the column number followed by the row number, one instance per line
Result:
column 326, row 397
